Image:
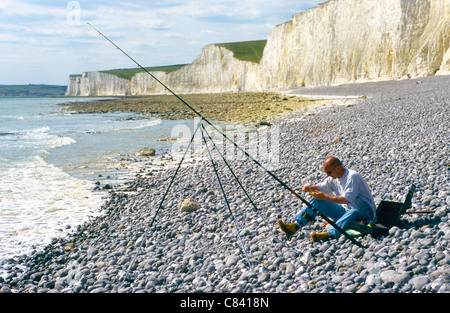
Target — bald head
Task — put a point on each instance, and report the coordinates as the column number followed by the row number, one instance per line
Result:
column 332, row 166
column 331, row 161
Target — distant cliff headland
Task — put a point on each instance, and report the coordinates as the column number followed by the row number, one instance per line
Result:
column 340, row 41
column 32, row 91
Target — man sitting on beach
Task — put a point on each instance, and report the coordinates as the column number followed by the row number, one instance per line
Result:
column 352, row 201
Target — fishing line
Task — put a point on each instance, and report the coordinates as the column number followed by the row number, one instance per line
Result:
column 231, row 170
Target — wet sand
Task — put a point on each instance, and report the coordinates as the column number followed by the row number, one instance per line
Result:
column 241, row 108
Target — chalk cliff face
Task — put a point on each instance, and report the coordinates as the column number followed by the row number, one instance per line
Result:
column 97, row 84
column 215, row 70
column 337, row 42
column 355, row 40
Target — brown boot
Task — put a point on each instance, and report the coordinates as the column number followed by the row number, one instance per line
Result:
column 288, row 229
column 319, row 236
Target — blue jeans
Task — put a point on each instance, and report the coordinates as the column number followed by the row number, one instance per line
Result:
column 335, row 211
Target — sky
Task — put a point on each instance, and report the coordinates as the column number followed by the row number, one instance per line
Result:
column 45, row 41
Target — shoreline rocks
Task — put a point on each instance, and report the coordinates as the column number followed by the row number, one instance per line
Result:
column 391, row 142
column 147, row 151
column 256, row 108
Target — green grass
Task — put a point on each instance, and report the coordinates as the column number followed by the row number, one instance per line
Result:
column 32, row 90
column 246, row 50
column 128, row 73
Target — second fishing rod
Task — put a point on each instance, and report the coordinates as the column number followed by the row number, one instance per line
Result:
column 326, row 218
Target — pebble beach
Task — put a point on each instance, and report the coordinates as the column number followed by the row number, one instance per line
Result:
column 395, row 133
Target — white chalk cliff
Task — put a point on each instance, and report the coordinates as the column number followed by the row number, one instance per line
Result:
column 97, row 84
column 340, row 41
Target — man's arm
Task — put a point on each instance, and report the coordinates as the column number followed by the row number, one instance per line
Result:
column 319, row 195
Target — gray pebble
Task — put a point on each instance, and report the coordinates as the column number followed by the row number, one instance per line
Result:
column 419, row 282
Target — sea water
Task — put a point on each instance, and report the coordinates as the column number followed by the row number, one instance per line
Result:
column 51, row 161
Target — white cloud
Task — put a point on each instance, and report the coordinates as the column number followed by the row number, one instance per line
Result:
column 52, row 37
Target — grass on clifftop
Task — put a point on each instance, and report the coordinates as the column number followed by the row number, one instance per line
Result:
column 246, row 50
column 128, row 73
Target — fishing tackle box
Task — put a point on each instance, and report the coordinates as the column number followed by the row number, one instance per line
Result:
column 388, row 215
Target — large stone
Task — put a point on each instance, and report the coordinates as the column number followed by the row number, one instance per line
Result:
column 146, row 152
column 189, row 205
column 419, row 282
column 392, row 276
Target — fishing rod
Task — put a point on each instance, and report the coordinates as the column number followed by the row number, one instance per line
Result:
column 326, row 218
column 424, row 212
column 225, row 196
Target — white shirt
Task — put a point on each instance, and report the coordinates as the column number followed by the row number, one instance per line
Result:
column 353, row 188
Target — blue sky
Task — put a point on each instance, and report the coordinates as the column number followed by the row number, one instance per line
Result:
column 43, row 42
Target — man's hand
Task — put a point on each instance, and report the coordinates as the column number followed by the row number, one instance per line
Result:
column 310, row 189
column 319, row 195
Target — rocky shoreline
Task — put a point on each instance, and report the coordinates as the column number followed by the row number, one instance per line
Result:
column 394, row 133
column 242, row 108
